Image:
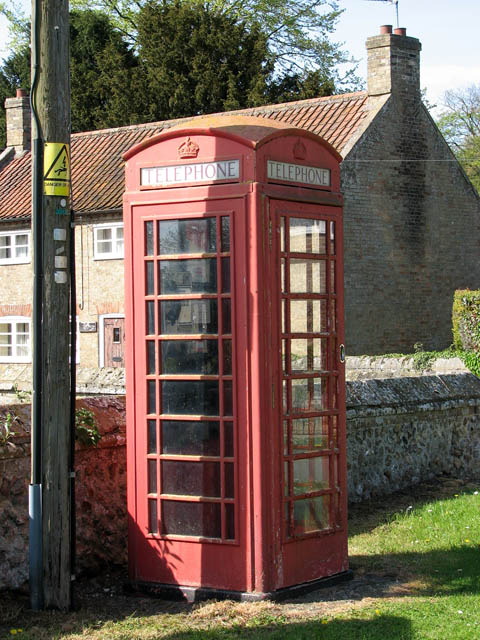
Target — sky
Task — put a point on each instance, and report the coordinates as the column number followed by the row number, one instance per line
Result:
column 447, row 29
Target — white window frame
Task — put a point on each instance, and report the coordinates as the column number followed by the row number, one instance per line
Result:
column 110, row 255
column 13, row 235
column 15, row 320
column 101, row 335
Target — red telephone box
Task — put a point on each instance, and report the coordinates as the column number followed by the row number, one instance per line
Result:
column 235, row 374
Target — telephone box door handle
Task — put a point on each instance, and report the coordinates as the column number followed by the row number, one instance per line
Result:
column 342, row 353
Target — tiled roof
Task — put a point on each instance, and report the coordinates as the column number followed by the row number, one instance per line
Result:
column 97, row 165
column 15, row 188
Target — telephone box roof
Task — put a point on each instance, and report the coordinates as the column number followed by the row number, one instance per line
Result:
column 250, row 130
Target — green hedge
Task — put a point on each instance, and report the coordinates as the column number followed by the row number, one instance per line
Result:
column 472, row 361
column 466, row 320
column 466, row 327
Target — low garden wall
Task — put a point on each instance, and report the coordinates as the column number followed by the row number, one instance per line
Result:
column 400, row 431
column 100, row 493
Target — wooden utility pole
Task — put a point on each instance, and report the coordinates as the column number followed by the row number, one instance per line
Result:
column 52, row 229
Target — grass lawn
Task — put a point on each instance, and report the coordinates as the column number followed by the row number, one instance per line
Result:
column 416, row 560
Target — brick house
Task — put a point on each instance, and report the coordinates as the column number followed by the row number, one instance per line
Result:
column 412, row 218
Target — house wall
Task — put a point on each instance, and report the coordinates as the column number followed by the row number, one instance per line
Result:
column 412, row 233
column 100, row 289
column 16, row 283
column 16, row 290
column 400, row 431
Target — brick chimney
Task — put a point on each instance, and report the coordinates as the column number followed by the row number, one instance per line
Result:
column 394, row 63
column 19, row 125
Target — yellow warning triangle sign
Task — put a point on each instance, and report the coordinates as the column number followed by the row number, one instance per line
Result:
column 56, row 168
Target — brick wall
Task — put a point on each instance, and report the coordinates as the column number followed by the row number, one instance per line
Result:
column 412, row 233
column 412, row 219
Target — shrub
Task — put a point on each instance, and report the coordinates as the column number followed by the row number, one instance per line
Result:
column 6, row 431
column 472, row 361
column 466, row 320
column 86, row 429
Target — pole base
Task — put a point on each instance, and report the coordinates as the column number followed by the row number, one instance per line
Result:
column 35, row 546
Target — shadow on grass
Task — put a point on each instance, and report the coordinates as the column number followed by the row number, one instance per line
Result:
column 440, row 572
column 365, row 516
column 376, row 628
column 368, row 627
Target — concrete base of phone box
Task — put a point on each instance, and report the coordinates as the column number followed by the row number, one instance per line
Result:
column 196, row 594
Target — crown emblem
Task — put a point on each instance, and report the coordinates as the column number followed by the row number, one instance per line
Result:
column 299, row 150
column 188, row 149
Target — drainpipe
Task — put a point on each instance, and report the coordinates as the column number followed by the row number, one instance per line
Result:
column 73, row 391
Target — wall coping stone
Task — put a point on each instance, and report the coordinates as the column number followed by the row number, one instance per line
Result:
column 95, row 381
column 416, row 391
column 364, row 397
column 453, row 382
column 111, row 381
column 90, row 380
column 368, row 367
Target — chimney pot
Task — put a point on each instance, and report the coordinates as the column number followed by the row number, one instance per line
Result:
column 21, row 93
column 400, row 31
column 386, row 28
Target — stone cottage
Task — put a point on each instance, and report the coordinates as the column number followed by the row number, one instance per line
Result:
column 411, row 216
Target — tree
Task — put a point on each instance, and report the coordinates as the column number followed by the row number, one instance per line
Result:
column 102, row 75
column 18, row 24
column 195, row 60
column 160, row 59
column 460, row 125
column 14, row 73
column 15, row 70
column 297, row 32
column 312, row 84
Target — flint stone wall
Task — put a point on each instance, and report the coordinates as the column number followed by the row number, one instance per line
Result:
column 100, row 493
column 400, row 431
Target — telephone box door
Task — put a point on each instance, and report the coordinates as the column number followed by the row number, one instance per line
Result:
column 309, row 294
column 190, row 488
